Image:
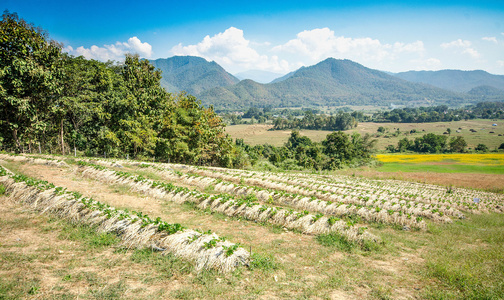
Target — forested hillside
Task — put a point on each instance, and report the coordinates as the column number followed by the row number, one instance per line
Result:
column 191, row 74
column 455, row 80
column 329, row 83
column 53, row 102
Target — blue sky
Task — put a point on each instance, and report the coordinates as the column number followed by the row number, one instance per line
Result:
column 280, row 36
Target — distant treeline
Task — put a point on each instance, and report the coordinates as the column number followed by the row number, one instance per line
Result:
column 343, row 119
column 340, row 121
column 482, row 110
column 435, row 143
column 299, row 152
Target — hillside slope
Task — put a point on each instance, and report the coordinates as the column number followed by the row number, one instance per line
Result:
column 192, row 74
column 331, row 82
column 455, row 80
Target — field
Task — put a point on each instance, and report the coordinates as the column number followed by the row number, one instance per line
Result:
column 259, row 134
column 484, row 171
column 272, row 235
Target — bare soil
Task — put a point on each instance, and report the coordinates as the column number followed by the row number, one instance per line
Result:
column 305, row 268
column 491, row 182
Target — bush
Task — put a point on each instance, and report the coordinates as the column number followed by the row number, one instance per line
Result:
column 481, row 148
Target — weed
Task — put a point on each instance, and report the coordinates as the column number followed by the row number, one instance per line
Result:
column 263, row 262
column 166, row 265
column 89, row 235
column 337, row 241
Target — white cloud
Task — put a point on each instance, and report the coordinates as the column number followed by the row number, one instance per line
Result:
column 492, row 39
column 472, row 52
column 321, row 43
column 456, row 44
column 500, row 63
column 416, row 47
column 134, row 43
column 113, row 52
column 464, row 45
column 231, row 50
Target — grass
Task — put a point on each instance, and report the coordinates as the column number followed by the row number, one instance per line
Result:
column 479, row 159
column 449, row 168
column 462, row 260
column 258, row 134
column 467, row 259
column 263, row 262
column 88, row 235
column 166, row 266
column 339, row 242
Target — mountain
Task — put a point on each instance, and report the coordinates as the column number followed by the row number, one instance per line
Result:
column 288, row 75
column 192, row 74
column 329, row 83
column 455, row 80
column 258, row 76
column 487, row 93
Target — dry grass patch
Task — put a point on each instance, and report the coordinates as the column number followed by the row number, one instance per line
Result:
column 44, row 258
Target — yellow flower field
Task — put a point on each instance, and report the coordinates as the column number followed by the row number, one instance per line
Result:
column 463, row 158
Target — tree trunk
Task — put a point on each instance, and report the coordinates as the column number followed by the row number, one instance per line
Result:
column 16, row 139
column 62, row 140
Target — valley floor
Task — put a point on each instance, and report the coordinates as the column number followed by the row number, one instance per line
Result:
column 45, row 257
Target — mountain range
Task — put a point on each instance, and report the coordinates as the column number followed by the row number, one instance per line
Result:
column 455, row 80
column 331, row 82
column 258, row 76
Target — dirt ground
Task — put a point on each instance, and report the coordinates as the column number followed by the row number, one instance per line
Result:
column 44, row 263
column 489, row 182
column 306, row 268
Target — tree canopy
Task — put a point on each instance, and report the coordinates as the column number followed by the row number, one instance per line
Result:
column 52, row 102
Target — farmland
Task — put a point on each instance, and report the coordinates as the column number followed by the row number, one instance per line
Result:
column 257, row 134
column 291, row 235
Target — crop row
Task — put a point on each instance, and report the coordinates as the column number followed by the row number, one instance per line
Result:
column 332, row 203
column 135, row 229
column 403, row 214
column 246, row 207
column 392, row 190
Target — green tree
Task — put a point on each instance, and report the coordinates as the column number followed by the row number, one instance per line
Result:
column 458, row 144
column 404, row 145
column 481, row 148
column 29, row 81
column 431, row 143
column 296, row 140
column 338, row 147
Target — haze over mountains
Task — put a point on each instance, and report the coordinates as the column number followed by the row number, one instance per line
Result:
column 331, row 82
column 258, row 76
column 455, row 80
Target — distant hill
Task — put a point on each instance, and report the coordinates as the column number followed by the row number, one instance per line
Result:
column 258, row 76
column 487, row 93
column 331, row 82
column 192, row 74
column 288, row 75
column 454, row 80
